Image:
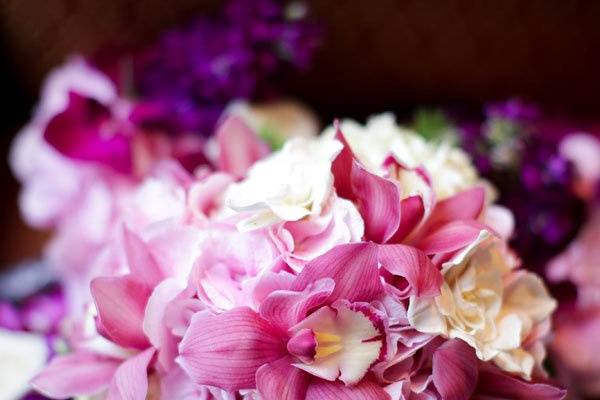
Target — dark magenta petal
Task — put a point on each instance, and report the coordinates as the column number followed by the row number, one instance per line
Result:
column 87, row 131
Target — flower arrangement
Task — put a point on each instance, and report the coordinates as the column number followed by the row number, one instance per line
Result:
column 209, row 246
column 552, row 161
column 364, row 263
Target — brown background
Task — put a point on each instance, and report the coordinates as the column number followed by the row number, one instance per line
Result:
column 378, row 55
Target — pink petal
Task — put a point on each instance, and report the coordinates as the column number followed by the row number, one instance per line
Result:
column 81, row 132
column 279, row 380
column 226, row 350
column 284, row 308
column 74, row 375
column 141, row 263
column 354, row 269
column 239, row 146
column 450, row 237
column 131, row 379
column 341, row 167
column 465, row 205
column 364, row 390
column 412, row 211
column 412, row 264
column 121, row 303
column 495, row 384
column 378, row 201
column 205, row 196
column 155, row 321
column 455, row 370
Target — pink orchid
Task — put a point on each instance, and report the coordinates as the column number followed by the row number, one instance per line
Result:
column 314, row 335
column 417, row 219
column 141, row 317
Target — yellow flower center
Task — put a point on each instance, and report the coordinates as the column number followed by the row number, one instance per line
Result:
column 327, row 344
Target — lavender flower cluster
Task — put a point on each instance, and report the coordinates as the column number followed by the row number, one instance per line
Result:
column 191, row 73
column 516, row 147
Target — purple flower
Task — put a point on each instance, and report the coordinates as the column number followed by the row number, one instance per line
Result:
column 516, row 148
column 190, row 74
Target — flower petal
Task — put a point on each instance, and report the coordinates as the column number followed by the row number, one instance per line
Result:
column 74, row 375
column 78, row 133
column 364, row 390
column 284, row 308
column 495, row 384
column 354, row 269
column 131, row 379
column 341, row 166
column 121, row 303
column 412, row 211
column 412, row 264
column 455, row 370
column 140, row 261
column 239, row 146
column 226, row 350
column 450, row 237
column 378, row 201
column 466, row 205
column 279, row 380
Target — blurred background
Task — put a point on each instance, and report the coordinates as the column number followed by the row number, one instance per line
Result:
column 388, row 55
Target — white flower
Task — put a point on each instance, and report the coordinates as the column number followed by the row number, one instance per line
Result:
column 449, row 168
column 289, row 185
column 22, row 356
column 487, row 304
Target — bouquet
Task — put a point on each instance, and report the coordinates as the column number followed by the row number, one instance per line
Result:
column 207, row 246
column 366, row 263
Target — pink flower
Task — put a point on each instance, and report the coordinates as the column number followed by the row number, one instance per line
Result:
column 316, row 333
column 583, row 150
column 229, row 264
column 141, row 317
column 578, row 263
column 392, row 216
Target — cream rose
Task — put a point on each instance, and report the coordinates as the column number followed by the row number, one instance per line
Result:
column 290, row 185
column 449, row 168
column 488, row 304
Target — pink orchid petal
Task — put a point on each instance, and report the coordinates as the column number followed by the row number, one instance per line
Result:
column 455, row 370
column 83, row 132
column 495, row 384
column 226, row 350
column 239, row 146
column 341, row 167
column 75, row 375
column 270, row 282
column 121, row 303
column 412, row 264
column 450, row 237
column 378, row 201
column 154, row 317
column 279, row 380
column 352, row 266
column 412, row 211
column 284, row 308
column 466, row 205
column 131, row 379
column 140, row 261
column 205, row 196
column 364, row 390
